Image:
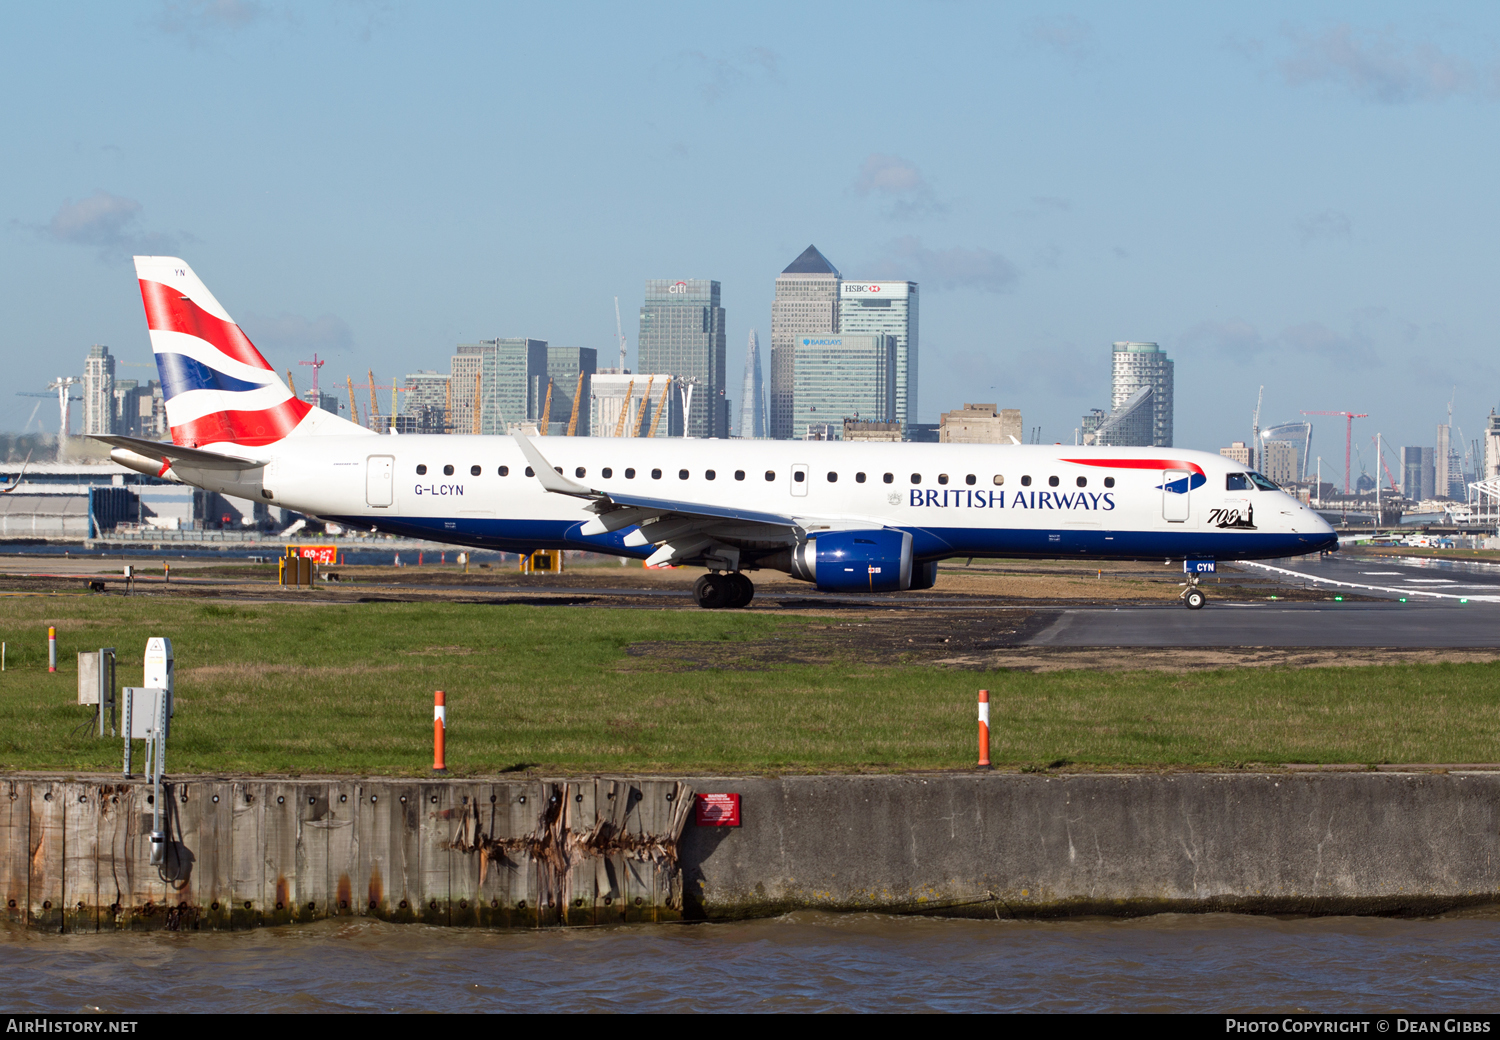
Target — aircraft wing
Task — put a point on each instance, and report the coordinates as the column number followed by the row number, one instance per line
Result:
column 680, row 530
column 167, row 453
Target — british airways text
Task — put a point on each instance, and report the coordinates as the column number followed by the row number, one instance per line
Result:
column 965, row 499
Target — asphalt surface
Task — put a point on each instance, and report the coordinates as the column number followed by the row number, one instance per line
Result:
column 1394, row 577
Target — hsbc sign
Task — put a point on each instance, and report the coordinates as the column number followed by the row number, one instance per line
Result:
column 875, row 289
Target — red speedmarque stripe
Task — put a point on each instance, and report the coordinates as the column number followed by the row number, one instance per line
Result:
column 167, row 311
column 1139, row 464
column 250, row 428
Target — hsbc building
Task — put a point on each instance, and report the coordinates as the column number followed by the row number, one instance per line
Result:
column 887, row 308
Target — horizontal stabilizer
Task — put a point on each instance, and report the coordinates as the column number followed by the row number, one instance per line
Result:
column 166, row 451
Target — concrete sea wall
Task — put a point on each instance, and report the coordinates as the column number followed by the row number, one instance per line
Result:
column 74, row 852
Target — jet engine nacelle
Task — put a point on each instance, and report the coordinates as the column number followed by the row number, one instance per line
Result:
column 855, row 561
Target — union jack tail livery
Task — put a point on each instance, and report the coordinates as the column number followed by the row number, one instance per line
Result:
column 217, row 387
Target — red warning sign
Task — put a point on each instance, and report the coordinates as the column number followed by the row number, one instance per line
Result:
column 718, row 810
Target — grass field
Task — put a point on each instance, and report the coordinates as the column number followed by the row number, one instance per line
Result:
column 348, row 688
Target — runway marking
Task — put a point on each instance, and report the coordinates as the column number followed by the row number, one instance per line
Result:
column 1383, row 573
column 1430, row 581
column 1377, row 588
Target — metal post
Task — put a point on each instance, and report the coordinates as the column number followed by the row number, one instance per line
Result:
column 159, row 740
column 51, row 649
column 125, row 725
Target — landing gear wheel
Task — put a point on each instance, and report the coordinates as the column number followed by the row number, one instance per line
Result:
column 1194, row 599
column 712, row 591
column 741, row 590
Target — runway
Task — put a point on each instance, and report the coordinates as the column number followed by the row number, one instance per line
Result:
column 1394, row 576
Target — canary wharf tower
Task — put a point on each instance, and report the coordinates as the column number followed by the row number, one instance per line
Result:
column 807, row 301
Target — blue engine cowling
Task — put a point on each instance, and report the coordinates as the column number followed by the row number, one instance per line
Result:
column 855, row 561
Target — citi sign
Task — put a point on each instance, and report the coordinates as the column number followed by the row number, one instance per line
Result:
column 678, row 287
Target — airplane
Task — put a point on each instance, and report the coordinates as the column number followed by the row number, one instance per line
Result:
column 847, row 517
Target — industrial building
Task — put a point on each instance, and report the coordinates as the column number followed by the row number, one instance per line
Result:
column 981, row 424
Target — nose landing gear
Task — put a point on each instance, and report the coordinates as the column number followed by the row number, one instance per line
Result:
column 716, row 590
column 1192, row 596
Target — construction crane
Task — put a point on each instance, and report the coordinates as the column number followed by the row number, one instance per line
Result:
column 314, row 364
column 353, row 404
column 660, row 408
column 620, row 335
column 372, row 386
column 546, row 410
column 577, row 397
column 640, row 425
column 290, row 384
column 1349, row 418
column 625, row 410
column 1380, row 454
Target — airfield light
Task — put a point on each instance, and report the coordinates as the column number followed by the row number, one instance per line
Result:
column 1338, row 599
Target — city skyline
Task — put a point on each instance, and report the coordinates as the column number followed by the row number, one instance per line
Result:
column 1301, row 200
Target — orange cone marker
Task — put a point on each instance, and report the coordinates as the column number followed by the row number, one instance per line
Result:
column 439, row 732
column 984, row 729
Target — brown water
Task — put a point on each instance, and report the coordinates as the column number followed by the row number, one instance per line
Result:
column 799, row 962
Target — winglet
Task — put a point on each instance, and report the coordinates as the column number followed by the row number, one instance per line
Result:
column 549, row 477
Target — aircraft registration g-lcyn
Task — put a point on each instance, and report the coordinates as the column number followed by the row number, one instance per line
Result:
column 849, row 517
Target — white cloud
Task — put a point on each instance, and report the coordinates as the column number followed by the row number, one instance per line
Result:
column 1379, row 66
column 1067, row 34
column 955, row 268
column 726, row 73
column 292, row 333
column 1329, row 223
column 190, row 17
column 900, row 184
column 108, row 223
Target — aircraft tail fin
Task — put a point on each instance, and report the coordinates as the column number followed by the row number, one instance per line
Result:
column 217, row 387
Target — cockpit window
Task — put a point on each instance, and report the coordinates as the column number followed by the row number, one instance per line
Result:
column 1262, row 483
column 1236, row 482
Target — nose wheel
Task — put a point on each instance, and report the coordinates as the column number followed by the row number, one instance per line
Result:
column 715, row 591
column 1192, row 596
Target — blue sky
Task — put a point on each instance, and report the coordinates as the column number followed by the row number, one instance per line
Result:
column 1300, row 195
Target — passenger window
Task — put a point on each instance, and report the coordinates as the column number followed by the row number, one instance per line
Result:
column 1109, row 481
column 1052, row 482
column 682, row 474
column 473, row 471
column 606, row 472
column 970, row 479
column 833, row 478
column 580, row 472
column 709, row 474
column 421, row 471
column 916, row 478
column 1083, row 481
column 505, row 471
column 656, row 474
column 630, row 474
column 530, row 472
column 1026, row 482
column 859, row 478
column 799, row 476
column 739, row 474
column 447, row 471
column 770, row 474
column 1233, row 482
column 942, row 478
column 889, row 477
column 999, row 479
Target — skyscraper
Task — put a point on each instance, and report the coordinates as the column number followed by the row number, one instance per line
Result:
column 682, row 335
column 806, row 304
column 1137, row 367
column 98, row 392
column 497, row 374
column 848, row 376
column 888, row 308
column 564, row 366
column 753, row 394
column 425, row 409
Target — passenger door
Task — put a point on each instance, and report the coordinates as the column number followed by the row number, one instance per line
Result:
column 380, row 471
column 799, row 479
column 1175, row 487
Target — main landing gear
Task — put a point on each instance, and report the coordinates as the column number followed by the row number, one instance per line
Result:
column 717, row 590
column 1192, row 596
